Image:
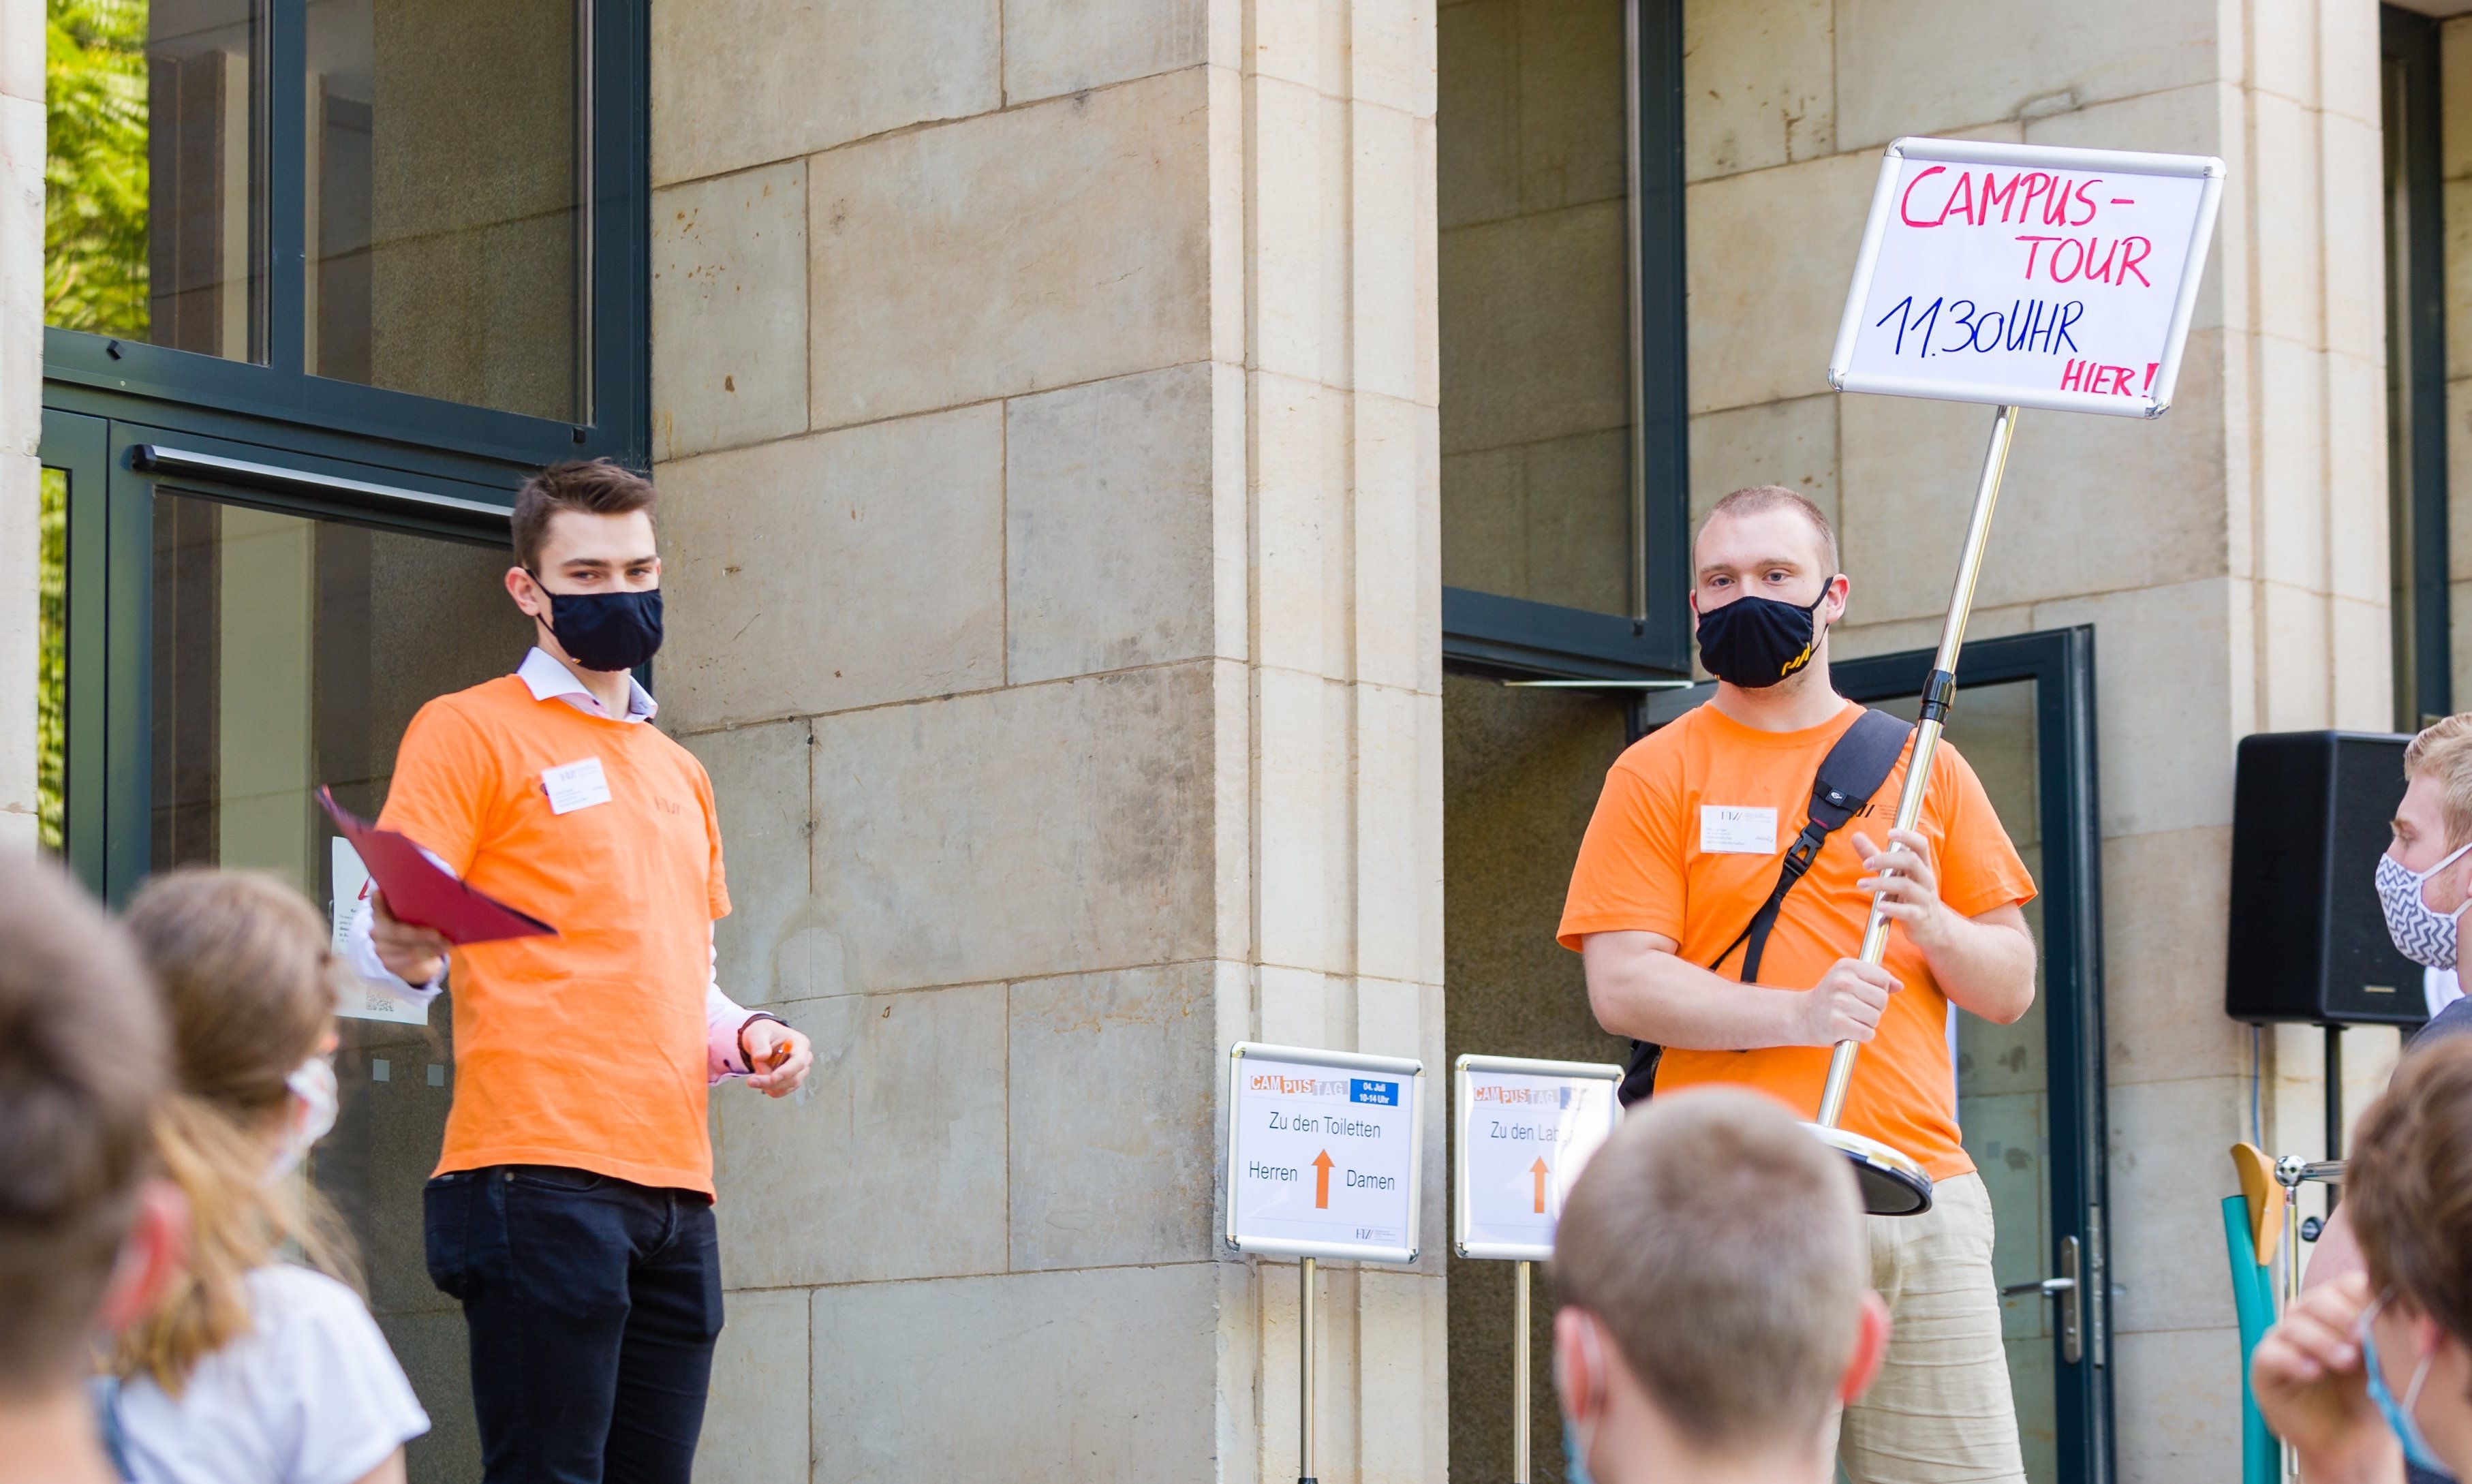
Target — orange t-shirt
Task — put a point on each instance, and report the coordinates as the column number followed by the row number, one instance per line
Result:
column 1642, row 867
column 585, row 1050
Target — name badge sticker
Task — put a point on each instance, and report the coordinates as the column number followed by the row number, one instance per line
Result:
column 1736, row 830
column 580, row 785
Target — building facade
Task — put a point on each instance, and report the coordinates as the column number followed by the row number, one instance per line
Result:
column 1114, row 455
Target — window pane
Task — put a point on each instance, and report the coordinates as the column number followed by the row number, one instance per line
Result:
column 153, row 214
column 2004, row 1077
column 291, row 653
column 444, row 235
column 1535, row 303
column 51, row 657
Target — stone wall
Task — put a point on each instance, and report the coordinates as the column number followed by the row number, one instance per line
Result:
column 21, row 402
column 2231, row 558
column 1044, row 401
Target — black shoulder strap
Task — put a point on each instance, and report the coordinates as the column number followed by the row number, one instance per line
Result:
column 1853, row 771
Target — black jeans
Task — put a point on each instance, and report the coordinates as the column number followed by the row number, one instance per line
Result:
column 593, row 1304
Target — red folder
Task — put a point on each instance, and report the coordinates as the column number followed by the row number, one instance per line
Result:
column 419, row 893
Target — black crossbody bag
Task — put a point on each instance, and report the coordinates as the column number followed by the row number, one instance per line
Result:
column 1851, row 773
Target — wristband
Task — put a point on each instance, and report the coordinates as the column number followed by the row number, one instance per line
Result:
column 744, row 1055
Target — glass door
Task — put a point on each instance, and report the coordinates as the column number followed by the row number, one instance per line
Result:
column 2030, row 1094
column 225, row 653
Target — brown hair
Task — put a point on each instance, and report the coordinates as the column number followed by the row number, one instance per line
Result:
column 81, row 1065
column 2444, row 749
column 1759, row 498
column 1723, row 1249
column 594, row 486
column 249, row 980
column 2409, row 1184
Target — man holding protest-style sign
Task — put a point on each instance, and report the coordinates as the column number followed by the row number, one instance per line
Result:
column 1716, row 899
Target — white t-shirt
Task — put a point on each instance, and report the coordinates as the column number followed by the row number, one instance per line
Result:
column 311, row 1394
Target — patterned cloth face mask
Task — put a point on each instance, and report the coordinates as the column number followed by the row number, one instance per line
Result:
column 2422, row 933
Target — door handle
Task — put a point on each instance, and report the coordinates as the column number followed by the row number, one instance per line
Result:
column 2064, row 1289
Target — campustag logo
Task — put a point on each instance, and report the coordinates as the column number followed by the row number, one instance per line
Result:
column 1495, row 1092
column 1299, row 1086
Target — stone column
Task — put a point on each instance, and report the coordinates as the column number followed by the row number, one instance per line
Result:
column 21, row 402
column 1044, row 396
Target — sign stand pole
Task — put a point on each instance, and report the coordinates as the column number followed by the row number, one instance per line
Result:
column 1938, row 692
column 1519, row 1385
column 1304, row 1372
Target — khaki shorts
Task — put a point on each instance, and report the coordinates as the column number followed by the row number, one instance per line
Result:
column 1941, row 1411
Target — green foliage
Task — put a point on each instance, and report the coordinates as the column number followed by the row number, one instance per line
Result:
column 51, row 664
column 95, row 166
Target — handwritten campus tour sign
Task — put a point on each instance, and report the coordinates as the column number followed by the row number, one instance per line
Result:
column 2027, row 275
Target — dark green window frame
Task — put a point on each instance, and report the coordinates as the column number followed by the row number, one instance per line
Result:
column 428, row 438
column 1490, row 633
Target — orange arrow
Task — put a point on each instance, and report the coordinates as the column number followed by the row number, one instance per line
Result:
column 1539, row 1170
column 1322, row 1180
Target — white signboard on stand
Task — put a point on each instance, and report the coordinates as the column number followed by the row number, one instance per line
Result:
column 1324, row 1150
column 1524, row 1130
column 2027, row 276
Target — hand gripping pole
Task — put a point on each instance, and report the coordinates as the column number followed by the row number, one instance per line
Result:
column 1937, row 693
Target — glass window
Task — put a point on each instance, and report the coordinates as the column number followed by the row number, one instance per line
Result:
column 444, row 225
column 154, row 220
column 1537, row 494
column 2003, row 1092
column 290, row 653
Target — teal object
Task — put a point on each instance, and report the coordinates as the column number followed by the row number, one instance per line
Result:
column 2253, row 1300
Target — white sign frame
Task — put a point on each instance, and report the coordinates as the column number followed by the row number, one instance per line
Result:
column 2152, row 403
column 1463, row 1116
column 1410, row 1071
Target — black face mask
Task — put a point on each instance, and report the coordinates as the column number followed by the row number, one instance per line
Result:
column 606, row 631
column 1757, row 642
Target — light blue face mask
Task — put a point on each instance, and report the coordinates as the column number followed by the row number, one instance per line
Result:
column 1575, row 1454
column 2399, row 1414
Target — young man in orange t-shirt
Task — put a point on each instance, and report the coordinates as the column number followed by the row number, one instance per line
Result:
column 1686, row 843
column 572, row 1207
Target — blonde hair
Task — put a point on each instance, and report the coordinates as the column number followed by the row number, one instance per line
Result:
column 248, row 981
column 1722, row 1248
column 2443, row 751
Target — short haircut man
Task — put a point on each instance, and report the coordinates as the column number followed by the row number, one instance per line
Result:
column 594, row 486
column 1669, row 905
column 83, row 1059
column 1757, row 499
column 1719, row 1248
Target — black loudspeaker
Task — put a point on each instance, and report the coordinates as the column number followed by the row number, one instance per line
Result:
column 2308, row 938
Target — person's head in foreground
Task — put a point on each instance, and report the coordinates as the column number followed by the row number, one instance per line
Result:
column 244, row 968
column 2377, row 1366
column 1714, row 1274
column 87, row 1236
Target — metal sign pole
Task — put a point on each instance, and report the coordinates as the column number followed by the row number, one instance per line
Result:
column 1519, row 1383
column 1304, row 1373
column 1937, row 693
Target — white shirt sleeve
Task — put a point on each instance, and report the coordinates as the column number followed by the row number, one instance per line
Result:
column 361, row 954
column 723, row 1019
